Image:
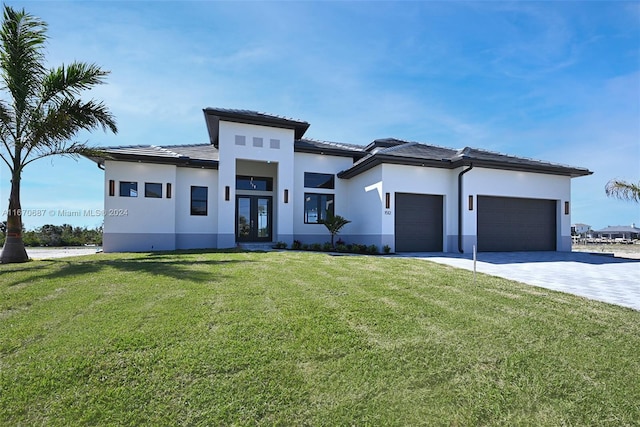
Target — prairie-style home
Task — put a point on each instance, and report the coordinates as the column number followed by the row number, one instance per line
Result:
column 260, row 180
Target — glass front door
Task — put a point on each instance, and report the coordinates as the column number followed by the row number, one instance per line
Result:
column 253, row 218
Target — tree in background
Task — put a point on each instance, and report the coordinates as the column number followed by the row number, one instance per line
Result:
column 41, row 110
column 623, row 190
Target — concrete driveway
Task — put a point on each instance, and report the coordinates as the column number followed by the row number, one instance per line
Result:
column 598, row 277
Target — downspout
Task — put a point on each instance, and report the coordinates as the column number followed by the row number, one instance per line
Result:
column 100, row 166
column 460, row 203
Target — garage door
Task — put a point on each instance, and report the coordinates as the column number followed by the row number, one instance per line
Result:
column 418, row 226
column 508, row 224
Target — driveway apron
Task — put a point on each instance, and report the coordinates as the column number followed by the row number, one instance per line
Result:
column 598, row 277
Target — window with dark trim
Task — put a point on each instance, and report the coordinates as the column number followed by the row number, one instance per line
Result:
column 168, row 190
column 319, row 180
column 317, row 207
column 255, row 183
column 112, row 187
column 128, row 189
column 199, row 197
column 153, row 190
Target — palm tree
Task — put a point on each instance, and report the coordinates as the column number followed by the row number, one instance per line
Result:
column 40, row 110
column 334, row 224
column 623, row 190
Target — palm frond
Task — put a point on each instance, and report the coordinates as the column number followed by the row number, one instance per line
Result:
column 623, row 190
column 71, row 80
column 62, row 121
column 22, row 38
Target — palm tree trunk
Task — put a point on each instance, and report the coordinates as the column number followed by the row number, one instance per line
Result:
column 13, row 250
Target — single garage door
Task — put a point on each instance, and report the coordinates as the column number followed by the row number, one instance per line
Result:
column 418, row 226
column 507, row 224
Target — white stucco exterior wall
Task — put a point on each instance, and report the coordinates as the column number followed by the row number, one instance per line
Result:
column 318, row 163
column 230, row 153
column 138, row 223
column 194, row 231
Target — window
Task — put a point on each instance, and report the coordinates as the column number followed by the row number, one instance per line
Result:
column 257, row 142
column 319, row 180
column 199, row 200
column 128, row 189
column 317, row 207
column 153, row 190
column 255, row 183
column 241, row 140
column 274, row 143
column 112, row 187
column 168, row 190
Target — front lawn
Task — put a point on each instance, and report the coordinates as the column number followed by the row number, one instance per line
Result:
column 298, row 338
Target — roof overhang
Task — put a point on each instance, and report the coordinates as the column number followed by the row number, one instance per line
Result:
column 213, row 116
column 378, row 159
column 158, row 160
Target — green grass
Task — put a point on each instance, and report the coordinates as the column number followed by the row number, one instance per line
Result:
column 304, row 339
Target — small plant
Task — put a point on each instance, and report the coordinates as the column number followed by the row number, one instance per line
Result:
column 297, row 245
column 315, row 247
column 363, row 249
column 340, row 241
column 372, row 249
column 305, row 247
column 334, row 224
column 327, row 247
column 280, row 245
column 342, row 248
column 386, row 249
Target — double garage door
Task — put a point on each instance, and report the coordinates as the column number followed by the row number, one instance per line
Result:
column 505, row 224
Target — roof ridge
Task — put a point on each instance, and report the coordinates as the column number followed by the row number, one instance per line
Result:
column 404, row 144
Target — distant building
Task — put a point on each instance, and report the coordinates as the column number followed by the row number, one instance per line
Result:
column 619, row 232
column 582, row 230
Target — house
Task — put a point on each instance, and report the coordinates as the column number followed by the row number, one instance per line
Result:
column 582, row 230
column 624, row 232
column 260, row 180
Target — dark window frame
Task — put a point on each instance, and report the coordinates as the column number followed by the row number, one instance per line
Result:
column 256, row 183
column 156, row 194
column 326, row 181
column 319, row 208
column 125, row 191
column 197, row 210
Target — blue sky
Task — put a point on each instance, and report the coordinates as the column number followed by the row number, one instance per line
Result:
column 556, row 81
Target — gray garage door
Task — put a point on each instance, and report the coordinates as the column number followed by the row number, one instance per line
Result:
column 418, row 226
column 508, row 224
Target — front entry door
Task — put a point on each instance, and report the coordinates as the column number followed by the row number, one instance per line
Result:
column 253, row 218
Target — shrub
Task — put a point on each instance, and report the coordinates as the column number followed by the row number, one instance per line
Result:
column 315, row 247
column 305, row 247
column 372, row 249
column 327, row 247
column 296, row 245
column 386, row 249
column 280, row 245
column 341, row 248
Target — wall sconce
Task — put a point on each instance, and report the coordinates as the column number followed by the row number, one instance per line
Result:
column 566, row 208
column 470, row 203
column 226, row 193
column 112, row 187
column 387, row 200
column 286, row 195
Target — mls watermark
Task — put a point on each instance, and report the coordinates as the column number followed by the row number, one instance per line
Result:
column 77, row 213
